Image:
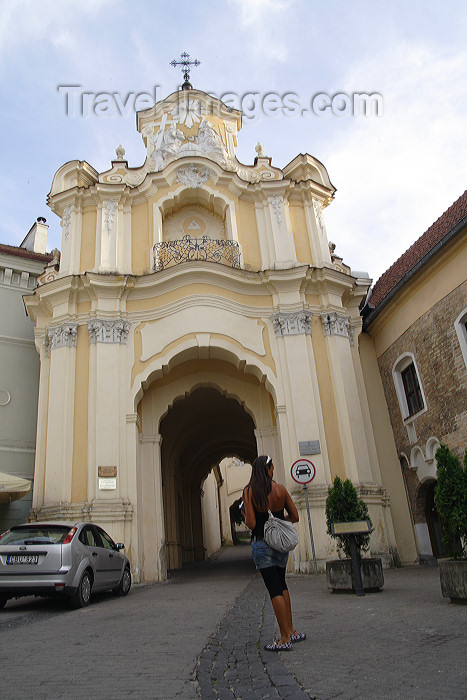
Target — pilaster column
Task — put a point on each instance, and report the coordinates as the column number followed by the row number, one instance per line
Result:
column 107, row 393
column 282, row 235
column 61, row 344
column 72, row 222
column 301, row 419
column 266, row 441
column 171, row 521
column 151, row 510
column 106, row 235
column 42, row 418
column 339, row 338
column 317, row 231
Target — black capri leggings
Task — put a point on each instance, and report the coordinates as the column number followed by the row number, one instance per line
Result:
column 274, row 579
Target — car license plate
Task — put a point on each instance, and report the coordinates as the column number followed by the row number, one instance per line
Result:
column 22, row 559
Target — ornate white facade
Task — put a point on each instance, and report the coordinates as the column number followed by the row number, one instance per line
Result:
column 198, row 314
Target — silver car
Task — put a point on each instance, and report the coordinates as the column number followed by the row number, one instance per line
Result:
column 61, row 558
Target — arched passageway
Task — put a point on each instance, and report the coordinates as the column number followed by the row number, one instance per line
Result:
column 194, row 412
column 197, row 433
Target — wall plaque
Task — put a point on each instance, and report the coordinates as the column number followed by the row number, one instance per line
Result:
column 106, row 472
column 107, row 484
column 309, row 447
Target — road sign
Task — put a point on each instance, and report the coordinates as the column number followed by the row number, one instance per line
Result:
column 303, row 471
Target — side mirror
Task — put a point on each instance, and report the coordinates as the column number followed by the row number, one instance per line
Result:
column 119, row 546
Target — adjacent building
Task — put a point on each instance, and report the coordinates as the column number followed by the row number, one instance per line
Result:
column 20, row 267
column 416, row 317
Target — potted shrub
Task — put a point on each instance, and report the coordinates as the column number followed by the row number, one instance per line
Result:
column 344, row 505
column 451, row 504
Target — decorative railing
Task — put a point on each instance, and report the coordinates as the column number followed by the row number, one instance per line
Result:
column 187, row 249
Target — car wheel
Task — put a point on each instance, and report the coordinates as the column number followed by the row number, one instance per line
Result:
column 82, row 597
column 124, row 586
column 3, row 602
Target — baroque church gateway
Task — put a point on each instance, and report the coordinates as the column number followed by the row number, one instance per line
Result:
column 198, row 313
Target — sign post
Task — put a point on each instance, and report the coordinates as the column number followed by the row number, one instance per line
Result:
column 303, row 471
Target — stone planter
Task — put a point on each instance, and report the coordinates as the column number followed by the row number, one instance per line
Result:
column 453, row 578
column 339, row 574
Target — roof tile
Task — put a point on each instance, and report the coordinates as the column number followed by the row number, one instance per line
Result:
column 418, row 250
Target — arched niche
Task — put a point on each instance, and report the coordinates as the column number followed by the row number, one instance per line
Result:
column 212, row 206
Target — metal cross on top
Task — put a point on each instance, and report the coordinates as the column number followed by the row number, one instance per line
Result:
column 185, row 63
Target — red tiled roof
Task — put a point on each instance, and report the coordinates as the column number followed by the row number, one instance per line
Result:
column 418, row 250
column 23, row 253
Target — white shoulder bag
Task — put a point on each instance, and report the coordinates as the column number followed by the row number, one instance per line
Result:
column 280, row 534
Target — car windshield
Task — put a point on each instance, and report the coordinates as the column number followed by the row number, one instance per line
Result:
column 35, row 534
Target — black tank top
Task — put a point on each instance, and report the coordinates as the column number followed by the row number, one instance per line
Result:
column 261, row 518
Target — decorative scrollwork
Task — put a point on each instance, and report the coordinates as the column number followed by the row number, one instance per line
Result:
column 188, row 249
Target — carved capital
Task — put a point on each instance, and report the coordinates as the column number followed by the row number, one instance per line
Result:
column 335, row 324
column 108, row 331
column 62, row 336
column 291, row 323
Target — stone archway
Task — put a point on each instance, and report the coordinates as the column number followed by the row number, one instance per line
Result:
column 198, row 412
column 197, row 432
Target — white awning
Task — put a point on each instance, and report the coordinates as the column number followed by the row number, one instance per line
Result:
column 12, row 488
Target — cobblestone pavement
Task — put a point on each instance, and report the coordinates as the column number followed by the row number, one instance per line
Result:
column 405, row 641
column 234, row 664
column 201, row 635
column 143, row 646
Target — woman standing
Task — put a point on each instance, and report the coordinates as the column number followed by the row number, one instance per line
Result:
column 260, row 495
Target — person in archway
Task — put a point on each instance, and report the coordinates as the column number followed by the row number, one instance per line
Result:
column 261, row 494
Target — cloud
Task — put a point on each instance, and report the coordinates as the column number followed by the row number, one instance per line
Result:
column 265, row 23
column 28, row 21
column 398, row 173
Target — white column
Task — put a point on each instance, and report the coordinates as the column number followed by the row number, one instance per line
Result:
column 107, row 231
column 317, row 232
column 59, row 458
column 41, row 431
column 293, row 329
column 124, row 241
column 264, row 235
column 107, row 417
column 151, row 510
column 338, row 336
column 72, row 221
column 281, row 227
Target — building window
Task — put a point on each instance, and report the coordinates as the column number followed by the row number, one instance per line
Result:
column 408, row 386
column 413, row 394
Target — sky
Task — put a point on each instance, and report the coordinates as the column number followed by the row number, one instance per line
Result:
column 396, row 171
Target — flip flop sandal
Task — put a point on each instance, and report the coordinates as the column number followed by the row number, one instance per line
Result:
column 299, row 637
column 275, row 646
